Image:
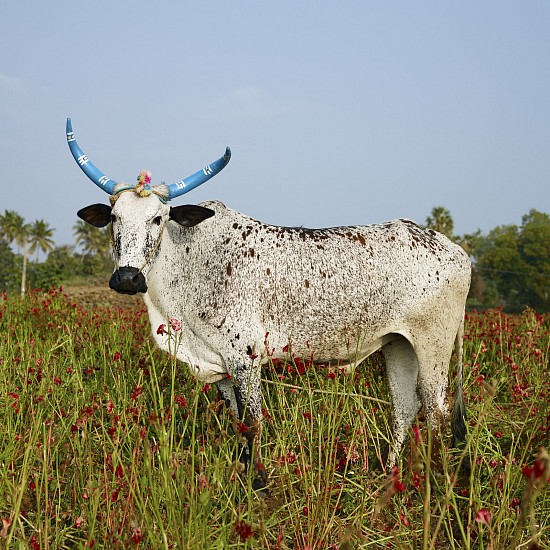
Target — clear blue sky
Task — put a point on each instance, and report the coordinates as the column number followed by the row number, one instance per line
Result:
column 341, row 113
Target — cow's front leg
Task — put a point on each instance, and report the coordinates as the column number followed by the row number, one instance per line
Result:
column 242, row 395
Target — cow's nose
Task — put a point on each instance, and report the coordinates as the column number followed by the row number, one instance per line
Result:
column 128, row 280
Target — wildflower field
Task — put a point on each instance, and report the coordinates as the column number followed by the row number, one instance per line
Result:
column 105, row 442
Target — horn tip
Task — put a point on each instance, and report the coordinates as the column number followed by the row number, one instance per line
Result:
column 227, row 155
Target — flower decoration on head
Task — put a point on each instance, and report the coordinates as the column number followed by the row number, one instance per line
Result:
column 143, row 187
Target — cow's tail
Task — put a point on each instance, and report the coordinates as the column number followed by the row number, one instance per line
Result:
column 458, row 417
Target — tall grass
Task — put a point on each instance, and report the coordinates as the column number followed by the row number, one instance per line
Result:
column 107, row 443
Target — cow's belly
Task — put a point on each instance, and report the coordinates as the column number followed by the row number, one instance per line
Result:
column 341, row 348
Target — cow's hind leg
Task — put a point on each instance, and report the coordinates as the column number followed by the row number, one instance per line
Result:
column 434, row 372
column 242, row 395
column 402, row 372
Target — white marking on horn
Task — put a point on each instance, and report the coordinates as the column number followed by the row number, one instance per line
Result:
column 207, row 170
column 103, row 180
column 70, row 136
column 82, row 160
column 180, row 184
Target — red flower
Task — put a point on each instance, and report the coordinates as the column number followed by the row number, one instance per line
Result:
column 79, row 522
column 417, row 479
column 162, row 330
column 290, row 457
column 137, row 535
column 116, row 356
column 5, row 524
column 138, row 390
column 206, row 388
column 483, row 516
column 538, row 468
column 175, row 325
column 242, row 427
column 243, row 530
column 416, row 433
column 181, row 401
column 300, row 367
column 398, row 485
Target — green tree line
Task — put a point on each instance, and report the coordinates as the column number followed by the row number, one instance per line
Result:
column 511, row 263
column 20, row 246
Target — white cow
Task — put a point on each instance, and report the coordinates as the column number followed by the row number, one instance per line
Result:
column 244, row 290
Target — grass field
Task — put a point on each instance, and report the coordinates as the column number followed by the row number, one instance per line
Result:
column 107, row 443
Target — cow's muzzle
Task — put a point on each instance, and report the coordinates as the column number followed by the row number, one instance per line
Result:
column 128, row 280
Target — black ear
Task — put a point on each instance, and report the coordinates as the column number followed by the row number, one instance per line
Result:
column 189, row 215
column 98, row 215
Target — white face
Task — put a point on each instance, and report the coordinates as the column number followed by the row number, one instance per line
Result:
column 137, row 223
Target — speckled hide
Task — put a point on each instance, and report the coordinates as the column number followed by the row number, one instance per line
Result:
column 242, row 288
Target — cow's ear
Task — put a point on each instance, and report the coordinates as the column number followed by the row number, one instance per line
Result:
column 98, row 215
column 189, row 215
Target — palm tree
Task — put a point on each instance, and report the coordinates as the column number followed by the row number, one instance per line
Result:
column 41, row 238
column 441, row 220
column 93, row 240
column 23, row 236
column 5, row 226
column 13, row 228
column 21, row 233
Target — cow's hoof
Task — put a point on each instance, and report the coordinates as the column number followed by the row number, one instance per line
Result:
column 259, row 486
column 260, row 481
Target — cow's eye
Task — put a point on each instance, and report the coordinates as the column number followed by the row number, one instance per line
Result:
column 157, row 220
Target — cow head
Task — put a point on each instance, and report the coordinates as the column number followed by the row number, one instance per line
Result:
column 138, row 215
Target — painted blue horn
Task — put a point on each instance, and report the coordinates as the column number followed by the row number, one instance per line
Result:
column 198, row 178
column 97, row 176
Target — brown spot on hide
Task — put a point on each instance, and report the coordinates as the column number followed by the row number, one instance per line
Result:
column 229, row 269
